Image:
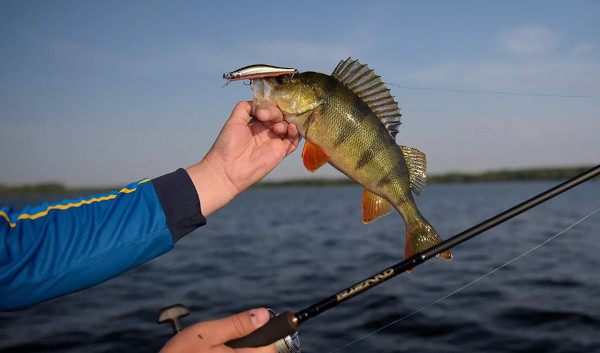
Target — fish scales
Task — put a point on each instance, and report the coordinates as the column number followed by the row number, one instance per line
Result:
column 350, row 120
column 365, row 149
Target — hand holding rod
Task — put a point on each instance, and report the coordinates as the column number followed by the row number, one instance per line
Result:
column 277, row 328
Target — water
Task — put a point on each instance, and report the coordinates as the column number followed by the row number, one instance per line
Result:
column 288, row 248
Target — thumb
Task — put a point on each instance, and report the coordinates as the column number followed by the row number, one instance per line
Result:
column 241, row 113
column 236, row 326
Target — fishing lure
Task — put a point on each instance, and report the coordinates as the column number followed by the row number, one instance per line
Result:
column 257, row 71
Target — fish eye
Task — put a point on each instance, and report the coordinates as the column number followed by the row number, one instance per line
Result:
column 281, row 79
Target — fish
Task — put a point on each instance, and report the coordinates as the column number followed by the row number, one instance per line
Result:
column 350, row 120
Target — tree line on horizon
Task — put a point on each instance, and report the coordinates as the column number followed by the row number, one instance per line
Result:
column 508, row 175
column 532, row 174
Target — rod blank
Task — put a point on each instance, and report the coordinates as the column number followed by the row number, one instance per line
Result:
column 421, row 257
column 288, row 323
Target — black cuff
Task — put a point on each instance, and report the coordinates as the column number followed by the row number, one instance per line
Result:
column 179, row 200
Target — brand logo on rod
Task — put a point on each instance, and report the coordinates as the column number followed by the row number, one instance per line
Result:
column 364, row 285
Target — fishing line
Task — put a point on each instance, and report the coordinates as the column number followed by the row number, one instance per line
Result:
column 288, row 322
column 507, row 93
column 466, row 285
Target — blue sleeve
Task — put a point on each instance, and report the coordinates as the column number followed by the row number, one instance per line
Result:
column 54, row 249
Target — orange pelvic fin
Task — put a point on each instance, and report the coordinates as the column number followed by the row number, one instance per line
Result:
column 313, row 156
column 374, row 206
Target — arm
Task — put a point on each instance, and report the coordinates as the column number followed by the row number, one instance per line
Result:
column 55, row 249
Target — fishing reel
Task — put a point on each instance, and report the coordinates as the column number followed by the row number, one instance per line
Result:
column 172, row 314
column 286, row 324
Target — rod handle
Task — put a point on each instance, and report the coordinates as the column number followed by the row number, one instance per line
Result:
column 277, row 328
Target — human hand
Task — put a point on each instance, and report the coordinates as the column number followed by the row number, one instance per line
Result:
column 245, row 151
column 210, row 336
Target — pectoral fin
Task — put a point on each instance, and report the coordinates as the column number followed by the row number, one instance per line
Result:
column 374, row 206
column 313, row 156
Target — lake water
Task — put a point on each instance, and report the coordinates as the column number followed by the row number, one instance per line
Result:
column 289, row 248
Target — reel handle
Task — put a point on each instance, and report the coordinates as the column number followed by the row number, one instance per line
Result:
column 172, row 314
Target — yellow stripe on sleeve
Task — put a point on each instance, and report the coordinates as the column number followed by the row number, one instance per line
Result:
column 5, row 216
column 70, row 205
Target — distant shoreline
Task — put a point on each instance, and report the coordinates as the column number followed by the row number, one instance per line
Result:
column 507, row 175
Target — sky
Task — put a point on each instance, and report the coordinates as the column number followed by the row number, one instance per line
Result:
column 109, row 92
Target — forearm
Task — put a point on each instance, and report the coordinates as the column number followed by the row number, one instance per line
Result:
column 212, row 185
column 55, row 249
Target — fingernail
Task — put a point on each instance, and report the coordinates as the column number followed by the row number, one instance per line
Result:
column 259, row 317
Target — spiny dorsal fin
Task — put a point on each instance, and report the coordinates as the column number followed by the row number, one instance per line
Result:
column 369, row 87
column 417, row 168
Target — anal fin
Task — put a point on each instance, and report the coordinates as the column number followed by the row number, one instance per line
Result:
column 374, row 206
column 313, row 156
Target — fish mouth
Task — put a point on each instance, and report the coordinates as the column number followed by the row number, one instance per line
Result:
column 262, row 94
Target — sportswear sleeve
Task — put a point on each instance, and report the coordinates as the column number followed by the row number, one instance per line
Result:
column 54, row 249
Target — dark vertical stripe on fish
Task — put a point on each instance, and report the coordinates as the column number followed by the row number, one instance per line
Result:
column 377, row 146
column 365, row 158
column 329, row 90
column 387, row 179
column 362, row 109
column 345, row 132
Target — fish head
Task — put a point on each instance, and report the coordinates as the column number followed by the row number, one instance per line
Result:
column 293, row 94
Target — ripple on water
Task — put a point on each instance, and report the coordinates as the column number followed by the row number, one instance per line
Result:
column 533, row 317
column 289, row 248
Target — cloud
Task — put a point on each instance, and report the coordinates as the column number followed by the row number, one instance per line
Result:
column 528, row 40
column 306, row 52
column 572, row 70
column 583, row 49
column 314, row 54
column 544, row 77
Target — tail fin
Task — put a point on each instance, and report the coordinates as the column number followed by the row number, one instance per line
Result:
column 422, row 237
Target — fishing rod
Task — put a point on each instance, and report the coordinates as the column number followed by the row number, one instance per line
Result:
column 287, row 323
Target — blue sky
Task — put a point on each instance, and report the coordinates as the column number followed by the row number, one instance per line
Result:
column 108, row 92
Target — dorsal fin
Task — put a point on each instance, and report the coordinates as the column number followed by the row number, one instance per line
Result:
column 417, row 168
column 369, row 87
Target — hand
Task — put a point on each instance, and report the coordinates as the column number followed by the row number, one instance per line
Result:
column 210, row 336
column 245, row 151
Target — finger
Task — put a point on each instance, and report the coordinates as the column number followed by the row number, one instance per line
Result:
column 293, row 138
column 269, row 113
column 268, row 124
column 280, row 128
column 293, row 133
column 241, row 113
column 236, row 326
